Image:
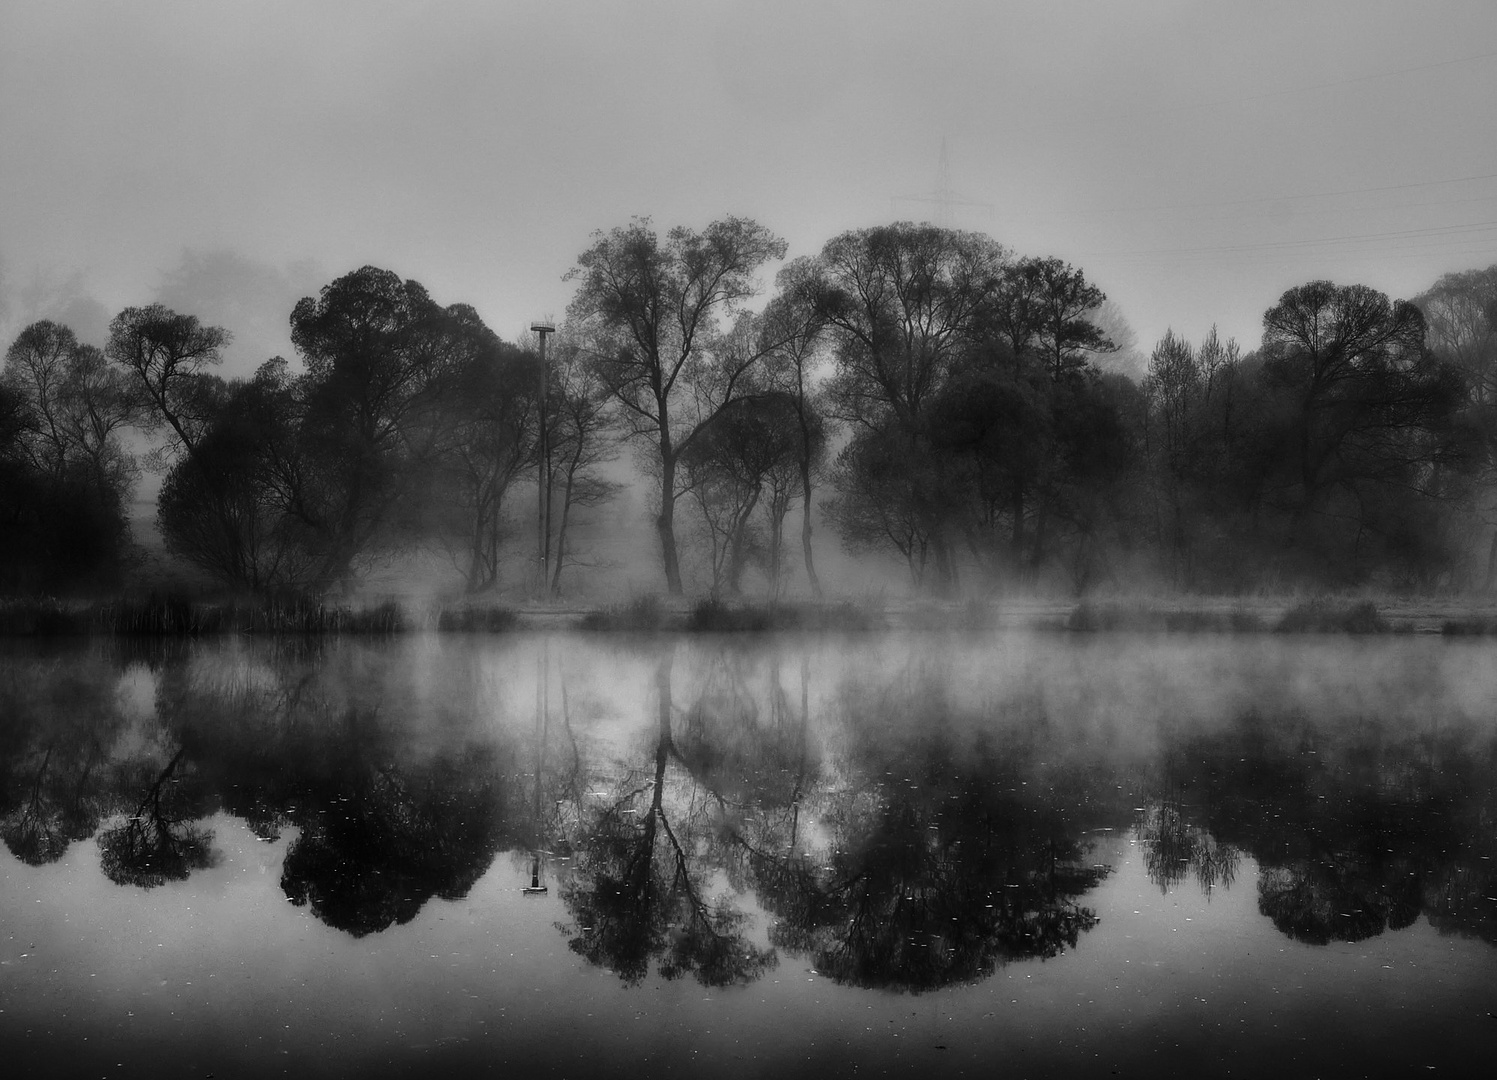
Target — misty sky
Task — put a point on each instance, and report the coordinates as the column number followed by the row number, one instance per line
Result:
column 1196, row 159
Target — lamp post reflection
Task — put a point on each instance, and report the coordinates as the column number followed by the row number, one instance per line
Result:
column 542, row 721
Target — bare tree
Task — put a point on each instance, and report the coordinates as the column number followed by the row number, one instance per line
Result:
column 170, row 356
column 582, row 440
column 903, row 304
column 75, row 408
column 652, row 312
column 798, row 323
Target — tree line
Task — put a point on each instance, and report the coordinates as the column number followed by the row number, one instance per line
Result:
column 924, row 391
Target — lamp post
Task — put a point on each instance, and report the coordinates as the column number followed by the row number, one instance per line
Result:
column 543, row 465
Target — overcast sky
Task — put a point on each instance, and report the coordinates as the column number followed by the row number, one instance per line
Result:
column 1195, row 159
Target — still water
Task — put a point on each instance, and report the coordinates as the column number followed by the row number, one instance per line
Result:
column 1035, row 855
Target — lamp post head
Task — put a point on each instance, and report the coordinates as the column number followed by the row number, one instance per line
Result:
column 543, row 327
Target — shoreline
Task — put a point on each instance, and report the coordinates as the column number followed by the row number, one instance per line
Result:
column 178, row 617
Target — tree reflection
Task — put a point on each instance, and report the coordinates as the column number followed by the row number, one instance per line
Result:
column 378, row 843
column 161, row 840
column 640, row 888
column 930, row 862
column 930, row 885
column 893, row 833
column 1357, row 827
column 56, row 719
column 380, row 830
column 1174, row 847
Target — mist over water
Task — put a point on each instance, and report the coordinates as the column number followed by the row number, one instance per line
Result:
column 778, row 854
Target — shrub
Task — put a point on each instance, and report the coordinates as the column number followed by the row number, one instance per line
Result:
column 642, row 614
column 477, row 620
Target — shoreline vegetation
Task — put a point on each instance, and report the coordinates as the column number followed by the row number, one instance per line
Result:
column 175, row 616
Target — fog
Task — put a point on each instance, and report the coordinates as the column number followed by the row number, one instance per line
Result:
column 1198, row 160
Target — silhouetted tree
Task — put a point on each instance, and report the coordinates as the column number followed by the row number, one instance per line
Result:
column 1460, row 313
column 582, row 439
column 65, row 473
column 383, row 364
column 1367, row 415
column 884, row 485
column 1064, row 334
column 491, row 441
column 902, row 304
column 169, row 357
column 795, row 319
column 653, row 311
column 728, row 469
column 992, row 427
column 233, row 506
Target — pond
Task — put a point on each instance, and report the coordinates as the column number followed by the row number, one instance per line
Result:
column 1040, row 854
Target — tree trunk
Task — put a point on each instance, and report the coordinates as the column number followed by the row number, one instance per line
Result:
column 1016, row 546
column 805, row 527
column 665, row 524
column 736, row 558
column 561, row 532
column 1037, row 553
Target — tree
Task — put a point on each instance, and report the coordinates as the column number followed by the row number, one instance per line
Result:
column 1066, row 304
column 1367, row 413
column 883, row 485
column 1046, row 316
column 728, row 468
column 1340, row 350
column 383, row 363
column 492, row 440
column 231, row 506
column 64, row 469
column 902, row 304
column 1175, row 386
column 169, row 356
column 795, row 319
column 1460, row 314
column 1046, row 310
column 76, row 408
column 581, row 440
column 992, row 428
column 652, row 311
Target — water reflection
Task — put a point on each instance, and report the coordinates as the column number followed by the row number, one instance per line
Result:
column 160, row 840
column 641, row 889
column 1358, row 826
column 59, row 714
column 925, row 858
column 714, row 809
